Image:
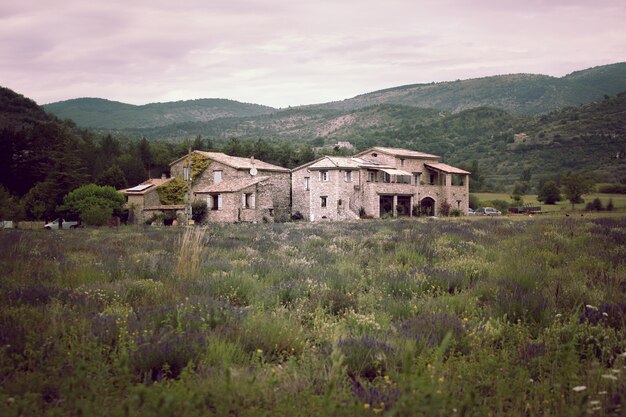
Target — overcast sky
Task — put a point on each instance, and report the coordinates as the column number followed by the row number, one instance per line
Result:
column 291, row 52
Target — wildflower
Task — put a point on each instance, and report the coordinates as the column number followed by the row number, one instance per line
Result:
column 387, row 379
column 589, row 306
column 579, row 388
column 259, row 351
column 366, row 406
column 609, row 376
column 594, row 403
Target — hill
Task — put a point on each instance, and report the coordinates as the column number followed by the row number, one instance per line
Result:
column 105, row 114
column 17, row 111
column 518, row 94
column 521, row 94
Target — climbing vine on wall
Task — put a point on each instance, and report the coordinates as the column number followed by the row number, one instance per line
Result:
column 173, row 192
column 199, row 164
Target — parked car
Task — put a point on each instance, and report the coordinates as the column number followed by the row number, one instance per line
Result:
column 470, row 212
column 57, row 224
column 487, row 211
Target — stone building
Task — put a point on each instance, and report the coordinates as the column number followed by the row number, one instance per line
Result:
column 143, row 202
column 378, row 182
column 237, row 189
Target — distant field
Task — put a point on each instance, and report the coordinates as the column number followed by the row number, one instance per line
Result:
column 619, row 201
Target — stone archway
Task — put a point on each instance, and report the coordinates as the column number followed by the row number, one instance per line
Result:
column 427, row 206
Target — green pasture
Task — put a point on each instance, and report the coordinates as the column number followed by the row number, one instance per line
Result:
column 619, row 201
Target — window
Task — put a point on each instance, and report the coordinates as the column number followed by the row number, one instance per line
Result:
column 323, row 175
column 401, row 162
column 324, row 200
column 416, row 177
column 248, row 201
column 371, row 176
column 403, row 179
column 348, row 176
column 432, row 179
column 217, row 177
column 386, row 177
column 214, row 202
column 307, row 183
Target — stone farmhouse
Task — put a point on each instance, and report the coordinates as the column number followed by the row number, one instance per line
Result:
column 237, row 189
column 376, row 183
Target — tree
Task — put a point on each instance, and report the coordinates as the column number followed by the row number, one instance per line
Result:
column 549, row 193
column 114, row 177
column 94, row 204
column 575, row 186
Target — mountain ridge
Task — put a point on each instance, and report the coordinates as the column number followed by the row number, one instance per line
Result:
column 519, row 94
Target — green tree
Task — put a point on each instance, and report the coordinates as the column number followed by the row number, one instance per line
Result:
column 94, row 204
column 114, row 177
column 549, row 193
column 575, row 186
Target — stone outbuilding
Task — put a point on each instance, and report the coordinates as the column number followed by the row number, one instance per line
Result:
column 143, row 203
column 378, row 182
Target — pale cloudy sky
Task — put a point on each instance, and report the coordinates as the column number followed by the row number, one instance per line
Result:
column 291, row 52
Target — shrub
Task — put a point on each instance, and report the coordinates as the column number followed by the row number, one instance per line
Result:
column 474, row 202
column 549, row 193
column 444, row 208
column 96, row 216
column 198, row 211
column 365, row 356
column 93, row 201
column 595, row 205
column 429, row 330
column 609, row 206
column 456, row 213
column 612, row 189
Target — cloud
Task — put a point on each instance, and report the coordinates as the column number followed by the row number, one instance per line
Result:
column 287, row 53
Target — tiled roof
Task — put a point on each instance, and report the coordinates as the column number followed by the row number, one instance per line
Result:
column 400, row 152
column 341, row 162
column 152, row 182
column 231, row 186
column 334, row 162
column 446, row 168
column 237, row 162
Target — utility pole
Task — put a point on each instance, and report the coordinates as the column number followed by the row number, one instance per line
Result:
column 187, row 178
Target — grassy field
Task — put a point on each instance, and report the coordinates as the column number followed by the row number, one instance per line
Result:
column 619, row 201
column 468, row 317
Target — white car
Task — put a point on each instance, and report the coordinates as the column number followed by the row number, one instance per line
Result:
column 62, row 224
column 487, row 211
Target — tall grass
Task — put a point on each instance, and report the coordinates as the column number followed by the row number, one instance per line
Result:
column 190, row 247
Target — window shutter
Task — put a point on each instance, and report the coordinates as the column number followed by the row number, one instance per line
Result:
column 243, row 200
column 252, row 200
column 209, row 202
column 219, row 201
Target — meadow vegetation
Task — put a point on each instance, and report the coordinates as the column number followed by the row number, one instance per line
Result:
column 496, row 316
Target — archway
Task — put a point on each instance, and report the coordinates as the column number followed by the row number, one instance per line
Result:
column 427, row 206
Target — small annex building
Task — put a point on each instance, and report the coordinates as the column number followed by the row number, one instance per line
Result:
column 144, row 204
column 378, row 182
